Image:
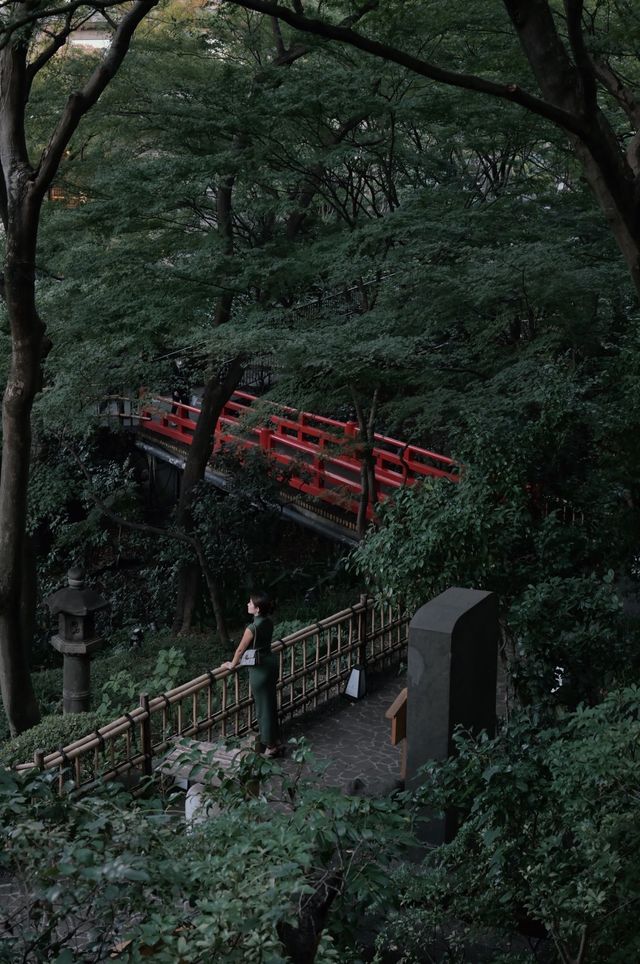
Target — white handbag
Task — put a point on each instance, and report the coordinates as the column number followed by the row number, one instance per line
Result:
column 250, row 657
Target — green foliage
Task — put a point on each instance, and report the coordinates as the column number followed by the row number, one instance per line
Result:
column 71, row 529
column 548, row 836
column 569, row 634
column 543, row 546
column 126, row 672
column 51, row 733
column 223, row 890
column 285, row 627
column 237, row 528
column 47, row 684
column 118, row 675
column 121, row 690
column 437, row 263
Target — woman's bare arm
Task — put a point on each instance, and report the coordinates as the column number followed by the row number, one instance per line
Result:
column 243, row 645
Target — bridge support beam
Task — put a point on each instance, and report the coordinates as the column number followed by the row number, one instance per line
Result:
column 451, row 678
column 165, row 482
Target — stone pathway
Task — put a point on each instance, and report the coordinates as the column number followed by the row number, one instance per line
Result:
column 353, row 739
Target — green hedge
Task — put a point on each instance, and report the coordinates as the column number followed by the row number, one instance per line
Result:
column 51, row 733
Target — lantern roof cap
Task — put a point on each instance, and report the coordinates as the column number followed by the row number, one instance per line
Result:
column 74, row 599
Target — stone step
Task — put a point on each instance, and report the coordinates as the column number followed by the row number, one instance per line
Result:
column 196, row 761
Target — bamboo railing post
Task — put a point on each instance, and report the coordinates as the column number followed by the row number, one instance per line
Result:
column 362, row 630
column 145, row 731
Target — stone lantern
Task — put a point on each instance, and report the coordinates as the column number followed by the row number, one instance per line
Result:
column 76, row 640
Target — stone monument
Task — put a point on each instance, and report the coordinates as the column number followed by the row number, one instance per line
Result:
column 451, row 678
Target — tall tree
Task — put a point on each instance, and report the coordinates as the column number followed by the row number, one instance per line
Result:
column 272, row 56
column 30, row 36
column 246, row 174
column 580, row 59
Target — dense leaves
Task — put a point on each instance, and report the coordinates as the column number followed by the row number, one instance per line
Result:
column 122, row 875
column 413, row 258
column 548, row 839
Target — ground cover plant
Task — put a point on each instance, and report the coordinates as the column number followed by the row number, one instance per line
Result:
column 281, row 875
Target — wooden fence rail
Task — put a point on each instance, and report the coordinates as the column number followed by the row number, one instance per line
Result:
column 315, row 662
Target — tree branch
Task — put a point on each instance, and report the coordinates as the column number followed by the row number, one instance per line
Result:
column 623, row 96
column 277, row 36
column 59, row 40
column 4, row 210
column 79, row 103
column 38, row 14
column 509, row 92
column 573, row 10
column 618, row 90
column 373, row 411
column 582, row 950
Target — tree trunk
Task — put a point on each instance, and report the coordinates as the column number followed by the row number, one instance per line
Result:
column 369, row 494
column 217, row 393
column 23, row 383
column 571, row 84
column 627, row 235
column 22, row 189
column 188, row 585
column 363, row 504
column 217, row 605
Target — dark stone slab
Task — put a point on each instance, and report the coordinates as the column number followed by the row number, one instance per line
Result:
column 452, row 667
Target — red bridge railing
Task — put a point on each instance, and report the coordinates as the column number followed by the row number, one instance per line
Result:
column 323, row 456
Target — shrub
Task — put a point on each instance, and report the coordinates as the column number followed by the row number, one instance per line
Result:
column 286, row 627
column 52, row 732
column 570, row 639
column 47, row 685
column 120, row 691
column 131, row 871
column 549, row 833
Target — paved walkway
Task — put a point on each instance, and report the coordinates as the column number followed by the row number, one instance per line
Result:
column 353, row 739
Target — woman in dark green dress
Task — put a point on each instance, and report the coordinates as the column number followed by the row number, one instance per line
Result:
column 264, row 676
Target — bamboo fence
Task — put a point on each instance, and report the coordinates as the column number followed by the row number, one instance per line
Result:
column 315, row 663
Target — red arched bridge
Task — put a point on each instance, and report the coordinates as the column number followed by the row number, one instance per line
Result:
column 322, row 456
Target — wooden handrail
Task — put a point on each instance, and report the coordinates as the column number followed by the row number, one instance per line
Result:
column 373, row 635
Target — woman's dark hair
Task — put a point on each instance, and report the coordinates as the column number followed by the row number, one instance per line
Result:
column 262, row 602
